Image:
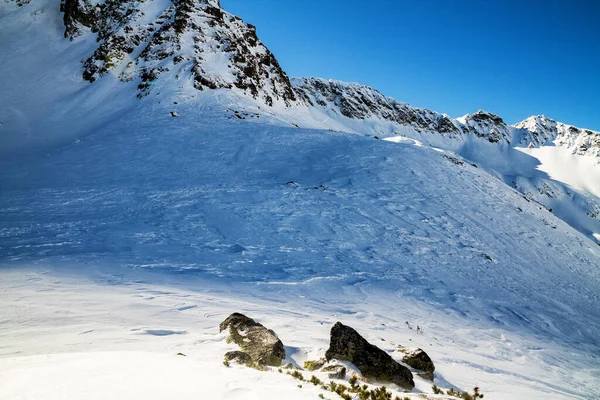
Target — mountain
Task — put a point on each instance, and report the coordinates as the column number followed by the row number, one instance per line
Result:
column 355, row 101
column 193, row 39
column 150, row 188
column 540, row 131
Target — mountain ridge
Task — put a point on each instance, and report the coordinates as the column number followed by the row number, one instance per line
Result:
column 198, row 42
column 182, row 50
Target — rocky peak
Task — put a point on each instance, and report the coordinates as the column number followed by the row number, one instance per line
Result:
column 537, row 130
column 196, row 39
column 540, row 130
column 486, row 125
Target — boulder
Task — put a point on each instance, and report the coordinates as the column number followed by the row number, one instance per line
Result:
column 262, row 344
column 418, row 359
column 239, row 357
column 314, row 365
column 371, row 361
column 335, row 371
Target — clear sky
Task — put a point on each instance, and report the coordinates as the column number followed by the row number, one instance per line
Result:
column 513, row 58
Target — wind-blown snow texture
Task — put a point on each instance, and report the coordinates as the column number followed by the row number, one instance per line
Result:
column 171, row 223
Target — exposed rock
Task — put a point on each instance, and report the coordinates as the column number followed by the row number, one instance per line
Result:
column 335, row 371
column 418, row 359
column 21, row 3
column 486, row 125
column 540, row 130
column 356, row 101
column 314, row 365
column 260, row 343
column 238, row 356
column 372, row 362
column 78, row 13
column 182, row 38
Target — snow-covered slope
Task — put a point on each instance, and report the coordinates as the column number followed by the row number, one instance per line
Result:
column 366, row 231
column 561, row 169
column 131, row 226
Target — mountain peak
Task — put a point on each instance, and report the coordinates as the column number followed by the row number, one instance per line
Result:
column 195, row 42
column 538, row 130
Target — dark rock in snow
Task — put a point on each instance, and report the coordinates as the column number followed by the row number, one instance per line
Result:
column 261, row 344
column 373, row 363
column 78, row 13
column 418, row 359
column 335, row 371
column 238, row 356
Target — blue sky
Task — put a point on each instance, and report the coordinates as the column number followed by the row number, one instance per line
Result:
column 513, row 58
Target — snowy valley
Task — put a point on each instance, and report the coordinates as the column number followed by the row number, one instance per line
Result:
column 160, row 171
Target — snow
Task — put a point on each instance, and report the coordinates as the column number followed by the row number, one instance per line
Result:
column 127, row 236
column 96, row 337
column 400, row 234
column 581, row 173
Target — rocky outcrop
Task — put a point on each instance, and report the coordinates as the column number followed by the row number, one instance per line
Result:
column 335, row 371
column 372, row 362
column 486, row 125
column 261, row 344
column 540, row 130
column 195, row 39
column 78, row 14
column 418, row 359
column 356, row 101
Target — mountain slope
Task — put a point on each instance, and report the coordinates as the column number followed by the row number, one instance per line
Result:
column 340, row 220
column 126, row 215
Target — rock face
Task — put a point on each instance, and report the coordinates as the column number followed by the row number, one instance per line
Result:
column 418, row 359
column 373, row 363
column 196, row 39
column 78, row 14
column 486, row 125
column 260, row 343
column 356, row 101
column 540, row 130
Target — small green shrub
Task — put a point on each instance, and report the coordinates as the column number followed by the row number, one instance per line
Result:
column 297, row 375
column 437, row 390
column 464, row 395
column 315, row 381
